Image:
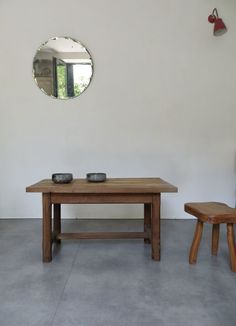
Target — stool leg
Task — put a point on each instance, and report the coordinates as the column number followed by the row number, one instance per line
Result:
column 215, row 239
column 231, row 243
column 196, row 242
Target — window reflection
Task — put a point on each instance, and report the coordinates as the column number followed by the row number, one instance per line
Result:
column 62, row 68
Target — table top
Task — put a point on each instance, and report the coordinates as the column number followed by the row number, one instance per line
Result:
column 111, row 185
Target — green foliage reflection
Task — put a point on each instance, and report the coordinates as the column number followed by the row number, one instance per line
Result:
column 61, row 81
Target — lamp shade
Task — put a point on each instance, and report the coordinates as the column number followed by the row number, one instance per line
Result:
column 219, row 28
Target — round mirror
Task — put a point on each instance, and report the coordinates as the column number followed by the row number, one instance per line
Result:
column 62, row 68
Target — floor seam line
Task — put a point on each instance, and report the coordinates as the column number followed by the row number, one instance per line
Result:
column 63, row 290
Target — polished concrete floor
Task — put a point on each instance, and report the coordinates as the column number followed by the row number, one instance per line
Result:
column 113, row 282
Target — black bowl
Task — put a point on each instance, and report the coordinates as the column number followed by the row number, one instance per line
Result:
column 62, row 177
column 96, row 177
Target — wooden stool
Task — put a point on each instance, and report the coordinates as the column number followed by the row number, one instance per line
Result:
column 214, row 213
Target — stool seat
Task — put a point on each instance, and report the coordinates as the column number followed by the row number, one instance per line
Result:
column 211, row 212
column 214, row 213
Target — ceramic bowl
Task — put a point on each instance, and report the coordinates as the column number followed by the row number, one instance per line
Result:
column 96, row 177
column 62, row 177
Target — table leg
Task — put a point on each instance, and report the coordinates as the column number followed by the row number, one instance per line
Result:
column 56, row 222
column 155, row 234
column 147, row 220
column 47, row 228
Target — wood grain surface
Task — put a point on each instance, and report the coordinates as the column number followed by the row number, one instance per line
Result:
column 113, row 185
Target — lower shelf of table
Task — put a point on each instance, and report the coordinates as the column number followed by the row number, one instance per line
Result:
column 103, row 235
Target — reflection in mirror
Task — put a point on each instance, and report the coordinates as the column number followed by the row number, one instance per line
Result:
column 62, row 68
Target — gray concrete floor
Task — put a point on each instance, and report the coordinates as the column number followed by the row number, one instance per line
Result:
column 113, row 282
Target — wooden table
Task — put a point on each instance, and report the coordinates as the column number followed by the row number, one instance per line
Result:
column 145, row 191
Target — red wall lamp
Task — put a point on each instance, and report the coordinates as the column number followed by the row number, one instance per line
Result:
column 219, row 26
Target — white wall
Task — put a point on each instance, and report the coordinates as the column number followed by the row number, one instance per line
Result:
column 162, row 101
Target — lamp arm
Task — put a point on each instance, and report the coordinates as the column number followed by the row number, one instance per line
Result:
column 215, row 12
